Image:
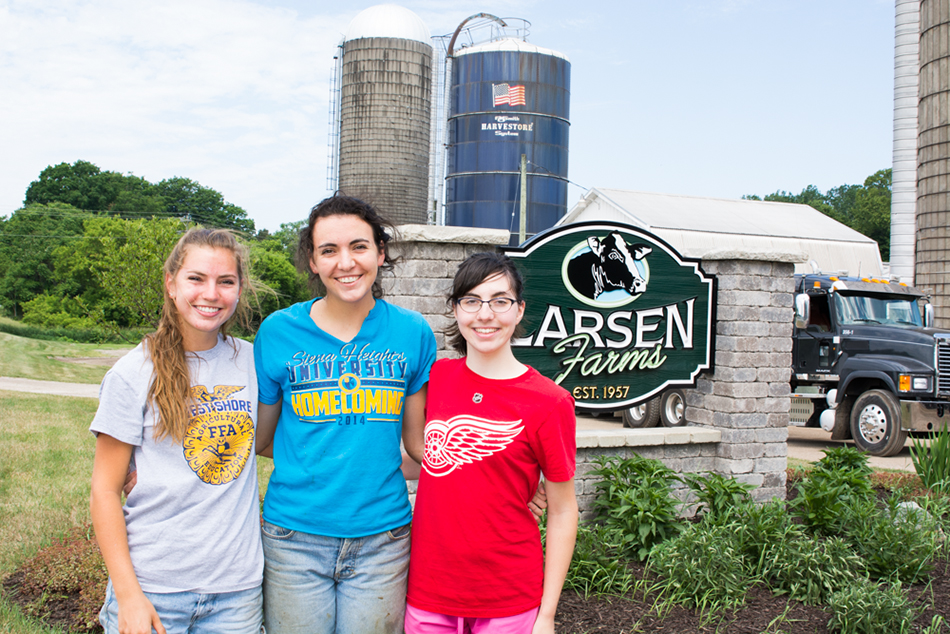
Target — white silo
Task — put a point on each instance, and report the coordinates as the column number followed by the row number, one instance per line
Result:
column 904, row 183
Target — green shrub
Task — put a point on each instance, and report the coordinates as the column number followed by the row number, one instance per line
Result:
column 703, row 568
column 56, row 312
column 895, row 542
column 938, row 506
column 932, row 463
column 838, row 479
column 595, row 567
column 845, row 458
column 71, row 566
column 718, row 497
column 864, row 607
column 635, row 503
column 75, row 335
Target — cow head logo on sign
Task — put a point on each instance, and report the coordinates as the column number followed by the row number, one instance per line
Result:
column 606, row 271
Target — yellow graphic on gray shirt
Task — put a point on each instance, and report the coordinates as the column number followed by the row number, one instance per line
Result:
column 220, row 437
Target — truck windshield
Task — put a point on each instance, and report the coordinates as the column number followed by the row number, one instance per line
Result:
column 877, row 309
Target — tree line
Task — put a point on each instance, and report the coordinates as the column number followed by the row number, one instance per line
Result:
column 865, row 208
column 86, row 249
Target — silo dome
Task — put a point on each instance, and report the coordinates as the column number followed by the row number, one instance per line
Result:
column 385, row 94
column 510, row 44
column 387, row 20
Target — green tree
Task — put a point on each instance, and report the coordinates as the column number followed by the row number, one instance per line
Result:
column 29, row 240
column 111, row 276
column 866, row 209
column 126, row 258
column 80, row 185
column 272, row 262
column 872, row 210
column 842, row 199
column 187, row 199
column 272, row 268
column 84, row 186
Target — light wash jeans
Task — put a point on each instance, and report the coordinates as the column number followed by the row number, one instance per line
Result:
column 195, row 613
column 329, row 585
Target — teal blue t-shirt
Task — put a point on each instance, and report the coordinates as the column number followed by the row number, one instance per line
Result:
column 336, row 449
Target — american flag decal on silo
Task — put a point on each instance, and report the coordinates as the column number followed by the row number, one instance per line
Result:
column 505, row 94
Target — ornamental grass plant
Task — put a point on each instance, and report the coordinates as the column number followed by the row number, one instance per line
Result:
column 932, row 460
column 829, row 548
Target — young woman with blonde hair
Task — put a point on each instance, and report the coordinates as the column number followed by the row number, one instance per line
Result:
column 184, row 551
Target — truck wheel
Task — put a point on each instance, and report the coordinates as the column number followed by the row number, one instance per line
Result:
column 673, row 408
column 876, row 424
column 642, row 415
column 842, row 429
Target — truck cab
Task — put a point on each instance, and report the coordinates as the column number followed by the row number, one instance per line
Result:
column 867, row 361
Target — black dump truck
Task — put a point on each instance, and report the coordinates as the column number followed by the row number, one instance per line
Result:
column 867, row 364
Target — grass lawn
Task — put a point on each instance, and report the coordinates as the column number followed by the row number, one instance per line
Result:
column 47, row 453
column 25, row 358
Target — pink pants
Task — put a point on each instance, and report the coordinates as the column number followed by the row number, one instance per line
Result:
column 424, row 622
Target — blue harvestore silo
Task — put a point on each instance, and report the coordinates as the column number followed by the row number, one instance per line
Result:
column 507, row 98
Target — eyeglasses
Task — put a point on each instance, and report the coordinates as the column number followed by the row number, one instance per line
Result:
column 474, row 304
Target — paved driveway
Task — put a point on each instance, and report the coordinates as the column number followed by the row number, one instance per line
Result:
column 49, row 387
column 803, row 443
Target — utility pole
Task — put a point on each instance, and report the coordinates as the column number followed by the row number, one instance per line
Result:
column 523, row 225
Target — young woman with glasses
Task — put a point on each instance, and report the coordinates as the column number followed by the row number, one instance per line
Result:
column 493, row 427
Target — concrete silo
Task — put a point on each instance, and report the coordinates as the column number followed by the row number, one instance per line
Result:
column 507, row 98
column 385, row 92
column 933, row 157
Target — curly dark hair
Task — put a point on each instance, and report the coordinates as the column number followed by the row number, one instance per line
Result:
column 384, row 232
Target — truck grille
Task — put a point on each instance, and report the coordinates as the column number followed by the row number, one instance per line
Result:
column 943, row 366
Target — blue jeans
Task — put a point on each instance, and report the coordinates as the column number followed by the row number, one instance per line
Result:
column 195, row 613
column 330, row 585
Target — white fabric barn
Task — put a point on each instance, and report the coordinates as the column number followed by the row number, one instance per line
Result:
column 695, row 226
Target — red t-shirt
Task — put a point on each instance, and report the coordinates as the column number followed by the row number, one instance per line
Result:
column 476, row 548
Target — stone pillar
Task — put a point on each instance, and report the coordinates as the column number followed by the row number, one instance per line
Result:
column 428, row 258
column 747, row 396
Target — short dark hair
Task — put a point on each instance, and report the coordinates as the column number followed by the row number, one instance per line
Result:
column 473, row 271
column 338, row 205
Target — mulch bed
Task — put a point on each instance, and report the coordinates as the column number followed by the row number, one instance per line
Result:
column 761, row 613
column 71, row 612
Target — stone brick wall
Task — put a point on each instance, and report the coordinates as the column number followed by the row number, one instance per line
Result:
column 428, row 258
column 747, row 396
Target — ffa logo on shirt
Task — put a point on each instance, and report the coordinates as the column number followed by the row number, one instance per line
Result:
column 464, row 439
column 220, row 437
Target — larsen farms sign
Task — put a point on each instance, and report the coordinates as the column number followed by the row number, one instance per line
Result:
column 613, row 313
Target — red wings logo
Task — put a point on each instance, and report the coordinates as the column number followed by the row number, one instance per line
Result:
column 463, row 440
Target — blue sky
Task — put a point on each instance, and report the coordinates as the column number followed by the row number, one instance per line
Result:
column 702, row 97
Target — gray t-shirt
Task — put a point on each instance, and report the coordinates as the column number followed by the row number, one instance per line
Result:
column 193, row 518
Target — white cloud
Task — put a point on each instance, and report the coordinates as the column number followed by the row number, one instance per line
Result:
column 232, row 94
